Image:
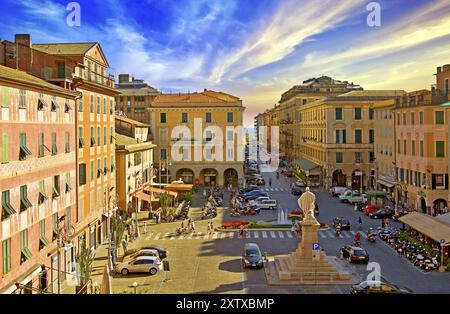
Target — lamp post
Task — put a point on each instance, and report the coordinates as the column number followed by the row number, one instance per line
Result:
column 137, row 184
column 135, row 285
column 58, row 245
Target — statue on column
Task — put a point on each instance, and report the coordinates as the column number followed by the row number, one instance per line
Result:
column 307, row 203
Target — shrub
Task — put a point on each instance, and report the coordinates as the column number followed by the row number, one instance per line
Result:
column 234, row 224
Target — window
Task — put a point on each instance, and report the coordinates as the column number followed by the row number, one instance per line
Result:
column 5, row 148
column 413, row 118
column 339, row 158
column 162, row 117
column 404, row 118
column 54, row 105
column 42, row 195
column 413, row 148
column 358, row 113
column 208, row 117
column 440, row 149
column 111, row 106
column 98, row 136
column 105, row 167
column 371, row 136
column 67, row 106
column 68, row 186
column 6, row 254
column 341, row 137
column 404, row 148
column 111, row 132
column 137, row 159
column 8, row 210
column 55, row 226
column 439, row 181
column 80, row 137
column 184, row 117
column 67, row 142
column 163, row 154
column 439, row 116
column 104, row 105
column 230, row 135
column 358, row 157
column 398, row 147
column 421, row 117
column 398, row 119
column 446, row 89
column 208, row 135
column 104, row 135
column 371, row 157
column 82, row 172
column 68, row 219
column 98, row 104
column 92, row 170
column 92, row 104
column 41, row 145
column 24, row 201
column 22, row 99
column 5, row 95
column 43, row 242
column 371, row 113
column 421, row 148
column 56, row 187
column 24, row 250
column 230, row 117
column 92, row 137
column 358, row 136
column 24, row 151
column 80, row 104
column 54, row 146
column 338, row 113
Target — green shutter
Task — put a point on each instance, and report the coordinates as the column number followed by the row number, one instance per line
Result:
column 24, row 151
column 8, row 210
column 439, row 117
column 440, row 149
column 54, row 146
column 42, row 195
column 5, row 148
column 92, row 103
column 6, row 253
column 26, row 253
column 5, row 95
column 421, row 148
column 68, row 219
column 42, row 238
column 41, row 145
column 68, row 187
column 358, row 136
column 24, row 202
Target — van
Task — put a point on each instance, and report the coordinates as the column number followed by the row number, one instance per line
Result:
column 337, row 190
column 267, row 204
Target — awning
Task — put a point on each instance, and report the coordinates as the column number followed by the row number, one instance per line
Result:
column 444, row 219
column 385, row 183
column 145, row 197
column 376, row 193
column 179, row 187
column 427, row 225
column 160, row 191
column 305, row 164
column 24, row 279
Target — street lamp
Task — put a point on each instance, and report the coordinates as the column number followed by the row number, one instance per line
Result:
column 58, row 246
column 135, row 285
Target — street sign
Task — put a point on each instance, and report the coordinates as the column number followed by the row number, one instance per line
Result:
column 442, row 241
column 316, row 246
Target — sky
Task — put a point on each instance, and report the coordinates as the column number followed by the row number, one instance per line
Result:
column 254, row 49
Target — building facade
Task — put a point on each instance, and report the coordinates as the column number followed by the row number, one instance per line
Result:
column 37, row 180
column 186, row 128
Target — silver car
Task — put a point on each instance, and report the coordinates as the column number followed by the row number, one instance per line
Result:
column 142, row 264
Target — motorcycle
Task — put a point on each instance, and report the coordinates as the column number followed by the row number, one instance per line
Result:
column 338, row 232
column 357, row 243
column 371, row 237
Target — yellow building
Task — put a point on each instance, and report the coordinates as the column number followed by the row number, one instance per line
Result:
column 134, row 162
column 337, row 135
column 186, row 126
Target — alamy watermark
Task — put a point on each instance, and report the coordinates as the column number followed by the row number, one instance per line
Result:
column 374, row 17
column 74, row 17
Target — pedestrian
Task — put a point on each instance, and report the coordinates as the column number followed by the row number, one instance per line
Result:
column 212, row 227
column 125, row 243
column 145, row 227
column 193, row 227
column 294, row 229
column 383, row 223
column 182, row 226
column 270, row 181
column 359, row 221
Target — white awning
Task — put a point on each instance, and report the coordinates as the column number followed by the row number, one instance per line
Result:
column 385, row 183
column 23, row 281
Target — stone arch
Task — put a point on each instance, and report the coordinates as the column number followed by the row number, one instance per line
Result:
column 209, row 177
column 339, row 178
column 186, row 174
column 230, row 175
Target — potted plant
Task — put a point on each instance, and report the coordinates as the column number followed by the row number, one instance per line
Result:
column 84, row 262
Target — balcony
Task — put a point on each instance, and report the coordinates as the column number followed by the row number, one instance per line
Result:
column 89, row 75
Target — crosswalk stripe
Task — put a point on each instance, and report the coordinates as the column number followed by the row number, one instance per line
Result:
column 264, row 234
column 165, row 236
column 214, row 235
column 289, row 234
column 256, row 234
column 363, row 235
column 272, row 234
column 199, row 236
column 276, row 189
column 149, row 236
column 248, row 235
column 157, row 236
column 280, row 233
column 353, row 232
column 172, row 237
column 190, row 236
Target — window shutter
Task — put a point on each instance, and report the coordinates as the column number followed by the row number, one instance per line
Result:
column 5, row 148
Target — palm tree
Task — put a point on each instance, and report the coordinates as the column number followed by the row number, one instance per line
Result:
column 84, row 261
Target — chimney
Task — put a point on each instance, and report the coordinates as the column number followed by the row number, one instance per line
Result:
column 23, row 39
column 445, row 67
column 205, row 90
column 438, row 70
column 124, row 78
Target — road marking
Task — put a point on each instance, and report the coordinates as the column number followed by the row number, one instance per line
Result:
column 363, row 235
column 248, row 235
column 199, row 236
column 264, row 234
column 276, row 189
column 272, row 234
column 157, row 236
column 214, row 235
column 289, row 234
column 280, row 234
column 190, row 236
column 323, row 235
column 353, row 232
column 172, row 237
column 256, row 234
column 149, row 236
column 165, row 236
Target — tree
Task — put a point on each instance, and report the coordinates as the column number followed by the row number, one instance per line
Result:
column 165, row 200
column 300, row 175
column 84, row 261
column 118, row 229
column 187, row 196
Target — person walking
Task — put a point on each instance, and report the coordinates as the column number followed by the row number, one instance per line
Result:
column 294, row 229
column 145, row 227
column 192, row 227
column 360, row 222
column 212, row 227
column 270, row 181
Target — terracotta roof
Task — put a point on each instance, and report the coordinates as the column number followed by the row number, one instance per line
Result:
column 21, row 76
column 65, row 48
column 184, row 98
column 131, row 121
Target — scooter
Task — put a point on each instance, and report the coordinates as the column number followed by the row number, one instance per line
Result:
column 371, row 237
column 338, row 232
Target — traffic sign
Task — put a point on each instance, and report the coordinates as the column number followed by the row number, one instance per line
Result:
column 316, row 246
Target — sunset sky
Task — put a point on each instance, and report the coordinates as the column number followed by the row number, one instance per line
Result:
column 252, row 49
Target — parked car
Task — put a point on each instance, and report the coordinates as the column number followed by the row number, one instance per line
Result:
column 371, row 208
column 161, row 251
column 382, row 213
column 354, row 254
column 141, row 264
column 153, row 253
column 344, row 197
column 297, row 187
column 251, row 256
column 249, row 188
column 336, row 190
column 358, row 198
column 267, row 204
column 259, row 181
column 345, row 223
column 377, row 287
column 252, row 196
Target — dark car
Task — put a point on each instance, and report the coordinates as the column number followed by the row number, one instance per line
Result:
column 161, row 251
column 255, row 192
column 249, row 189
column 251, row 256
column 382, row 213
column 345, row 223
column 297, row 187
column 259, row 181
column 253, row 196
column 379, row 287
column 355, row 254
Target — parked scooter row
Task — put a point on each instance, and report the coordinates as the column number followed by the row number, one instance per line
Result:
column 182, row 211
column 416, row 254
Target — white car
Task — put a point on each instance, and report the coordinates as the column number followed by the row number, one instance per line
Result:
column 133, row 256
column 337, row 190
column 142, row 264
column 267, row 204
